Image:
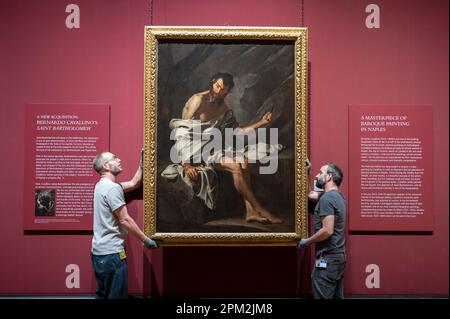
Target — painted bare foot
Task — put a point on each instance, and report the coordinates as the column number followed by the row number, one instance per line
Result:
column 272, row 218
column 255, row 217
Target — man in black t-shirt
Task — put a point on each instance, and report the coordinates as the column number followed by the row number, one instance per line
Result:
column 329, row 235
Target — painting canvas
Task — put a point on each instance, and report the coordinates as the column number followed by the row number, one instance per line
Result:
column 225, row 135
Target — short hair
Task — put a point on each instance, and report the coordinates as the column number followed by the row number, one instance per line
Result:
column 226, row 77
column 336, row 172
column 99, row 160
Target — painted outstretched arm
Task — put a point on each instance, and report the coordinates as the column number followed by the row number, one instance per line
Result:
column 265, row 119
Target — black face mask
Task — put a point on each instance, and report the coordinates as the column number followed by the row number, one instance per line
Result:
column 321, row 182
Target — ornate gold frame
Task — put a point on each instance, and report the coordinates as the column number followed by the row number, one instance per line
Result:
column 299, row 37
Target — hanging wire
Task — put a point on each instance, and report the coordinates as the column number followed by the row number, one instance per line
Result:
column 151, row 12
column 302, row 12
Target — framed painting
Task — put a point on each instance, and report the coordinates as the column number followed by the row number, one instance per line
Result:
column 225, row 135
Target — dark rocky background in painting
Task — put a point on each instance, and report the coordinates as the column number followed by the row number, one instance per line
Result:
column 264, row 80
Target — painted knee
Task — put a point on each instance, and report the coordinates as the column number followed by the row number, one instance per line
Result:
column 236, row 168
column 244, row 164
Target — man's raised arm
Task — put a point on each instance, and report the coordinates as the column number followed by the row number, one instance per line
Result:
column 136, row 181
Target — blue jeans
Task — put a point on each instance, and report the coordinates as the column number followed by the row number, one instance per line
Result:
column 112, row 276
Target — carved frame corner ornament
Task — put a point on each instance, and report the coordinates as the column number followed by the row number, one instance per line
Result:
column 298, row 36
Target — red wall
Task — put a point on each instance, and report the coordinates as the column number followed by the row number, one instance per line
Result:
column 404, row 62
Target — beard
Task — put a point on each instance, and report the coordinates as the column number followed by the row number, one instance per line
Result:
column 320, row 183
column 215, row 98
column 115, row 170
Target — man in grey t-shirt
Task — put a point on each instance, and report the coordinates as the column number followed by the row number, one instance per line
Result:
column 111, row 225
column 329, row 235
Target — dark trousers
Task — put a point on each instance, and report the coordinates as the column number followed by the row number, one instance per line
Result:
column 328, row 283
column 111, row 275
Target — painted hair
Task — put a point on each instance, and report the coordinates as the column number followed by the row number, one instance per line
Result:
column 226, row 77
